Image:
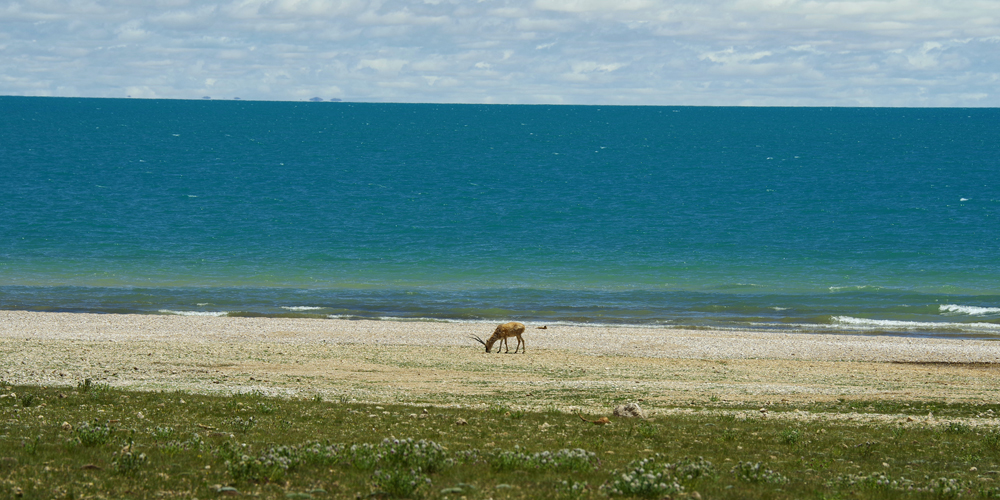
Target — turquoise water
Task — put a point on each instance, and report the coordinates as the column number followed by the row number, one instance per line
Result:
column 841, row 220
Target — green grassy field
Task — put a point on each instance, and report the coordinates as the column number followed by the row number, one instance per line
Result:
column 94, row 441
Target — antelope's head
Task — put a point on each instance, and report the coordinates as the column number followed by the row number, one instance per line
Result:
column 481, row 341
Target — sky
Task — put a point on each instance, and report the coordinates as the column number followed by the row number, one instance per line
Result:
column 607, row 52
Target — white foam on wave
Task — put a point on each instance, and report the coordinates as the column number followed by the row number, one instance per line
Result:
column 853, row 287
column 301, row 308
column 970, row 310
column 666, row 324
column 878, row 324
column 194, row 313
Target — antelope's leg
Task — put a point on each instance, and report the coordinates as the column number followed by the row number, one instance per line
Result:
column 506, row 346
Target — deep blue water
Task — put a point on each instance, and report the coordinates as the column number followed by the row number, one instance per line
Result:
column 848, row 220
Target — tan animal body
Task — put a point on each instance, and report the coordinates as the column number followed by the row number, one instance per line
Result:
column 600, row 421
column 501, row 334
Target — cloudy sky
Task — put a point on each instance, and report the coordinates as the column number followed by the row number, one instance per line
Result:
column 684, row 52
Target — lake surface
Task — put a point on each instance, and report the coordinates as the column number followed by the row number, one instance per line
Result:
column 832, row 220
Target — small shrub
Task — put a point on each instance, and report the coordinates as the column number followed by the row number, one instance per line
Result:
column 563, row 460
column 865, row 449
column 126, row 461
column 689, row 470
column 498, row 410
column 399, row 483
column 990, row 492
column 174, row 447
column 320, row 454
column 509, row 460
column 790, row 436
column 943, row 487
column 27, row 399
column 196, row 442
column 424, row 456
column 646, row 429
column 363, row 456
column 873, row 481
column 577, row 459
column 31, row 446
column 470, row 456
column 728, row 434
column 957, row 428
column 991, row 439
column 92, row 434
column 644, row 479
column 96, row 391
column 268, row 466
column 756, row 473
column 163, row 433
column 573, row 489
column 245, row 468
column 242, row 425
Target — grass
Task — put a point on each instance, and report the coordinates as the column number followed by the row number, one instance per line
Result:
column 95, row 441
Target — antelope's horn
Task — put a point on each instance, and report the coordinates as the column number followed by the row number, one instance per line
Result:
column 477, row 339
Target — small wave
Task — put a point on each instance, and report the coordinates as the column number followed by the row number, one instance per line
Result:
column 301, row 308
column 970, row 310
column 194, row 313
column 854, row 288
column 877, row 324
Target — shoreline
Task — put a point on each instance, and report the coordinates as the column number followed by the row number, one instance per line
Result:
column 604, row 340
column 438, row 364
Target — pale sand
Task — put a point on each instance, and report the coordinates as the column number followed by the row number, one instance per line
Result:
column 566, row 368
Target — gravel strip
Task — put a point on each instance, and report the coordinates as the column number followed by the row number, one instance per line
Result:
column 566, row 367
column 596, row 340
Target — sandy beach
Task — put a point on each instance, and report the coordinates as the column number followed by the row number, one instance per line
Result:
column 436, row 363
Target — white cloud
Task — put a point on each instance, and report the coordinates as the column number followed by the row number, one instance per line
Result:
column 822, row 52
column 131, row 32
column 185, row 19
column 383, row 66
column 590, row 66
column 594, row 5
column 730, row 56
column 926, row 56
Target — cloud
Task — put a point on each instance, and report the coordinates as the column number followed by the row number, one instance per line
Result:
column 383, row 66
column 590, row 67
column 594, row 5
column 797, row 52
column 730, row 56
column 198, row 18
column 131, row 32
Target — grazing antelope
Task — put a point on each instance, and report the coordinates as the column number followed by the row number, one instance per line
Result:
column 512, row 329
